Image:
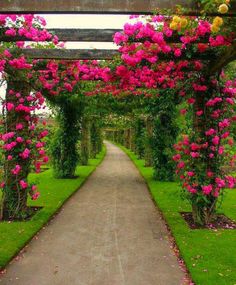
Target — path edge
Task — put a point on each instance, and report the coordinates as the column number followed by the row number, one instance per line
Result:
column 171, row 237
column 54, row 214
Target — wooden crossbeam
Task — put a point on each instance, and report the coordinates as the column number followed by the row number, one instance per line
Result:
column 77, row 54
column 98, row 6
column 71, row 35
column 90, row 6
column 87, row 35
column 69, row 54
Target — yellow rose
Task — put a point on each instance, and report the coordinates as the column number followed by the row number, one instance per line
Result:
column 176, row 19
column 218, row 21
column 173, row 25
column 183, row 22
column 223, row 8
column 215, row 28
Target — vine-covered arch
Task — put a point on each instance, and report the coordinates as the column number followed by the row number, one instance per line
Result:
column 183, row 52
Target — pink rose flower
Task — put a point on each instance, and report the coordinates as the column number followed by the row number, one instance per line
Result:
column 194, row 154
column 23, row 184
column 207, row 189
column 19, row 126
column 216, row 140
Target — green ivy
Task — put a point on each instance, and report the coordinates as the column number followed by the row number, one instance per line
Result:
column 63, row 148
column 165, row 131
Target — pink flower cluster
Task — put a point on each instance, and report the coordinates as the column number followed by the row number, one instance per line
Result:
column 208, row 150
column 22, row 141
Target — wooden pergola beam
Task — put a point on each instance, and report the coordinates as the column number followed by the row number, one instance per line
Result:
column 70, row 35
column 97, row 6
column 77, row 54
column 90, row 6
column 87, row 35
column 69, row 54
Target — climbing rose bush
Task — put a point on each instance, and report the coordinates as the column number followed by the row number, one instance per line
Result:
column 201, row 159
column 151, row 59
column 22, row 141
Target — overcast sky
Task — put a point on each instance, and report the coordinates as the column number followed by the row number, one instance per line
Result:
column 87, row 22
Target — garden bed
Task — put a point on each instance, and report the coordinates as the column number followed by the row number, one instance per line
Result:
column 29, row 213
column 219, row 222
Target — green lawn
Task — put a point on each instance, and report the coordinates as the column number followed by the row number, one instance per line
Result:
column 209, row 255
column 54, row 192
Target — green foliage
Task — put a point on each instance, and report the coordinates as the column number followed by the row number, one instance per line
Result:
column 165, row 132
column 139, row 136
column 84, row 145
column 163, row 139
column 229, row 72
column 148, row 142
column 156, row 145
column 95, row 137
column 63, row 147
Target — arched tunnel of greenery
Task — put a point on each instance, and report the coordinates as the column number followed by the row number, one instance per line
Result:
column 167, row 99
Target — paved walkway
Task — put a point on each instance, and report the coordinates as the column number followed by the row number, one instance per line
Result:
column 108, row 233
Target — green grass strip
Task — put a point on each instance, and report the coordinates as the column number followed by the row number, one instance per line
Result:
column 53, row 194
column 210, row 255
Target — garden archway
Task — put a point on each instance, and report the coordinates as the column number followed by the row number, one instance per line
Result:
column 215, row 64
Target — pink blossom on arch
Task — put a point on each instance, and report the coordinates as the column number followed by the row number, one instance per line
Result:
column 41, row 151
column 225, row 135
column 194, row 154
column 19, row 126
column 8, row 136
column 16, row 170
column 25, row 154
column 177, row 52
column 191, row 189
column 194, row 146
column 7, row 53
column 35, row 196
column 216, row 140
column 10, row 32
column 176, row 157
column 45, row 159
column 33, row 187
column 221, row 150
column 210, row 173
column 224, row 124
column 191, row 101
column 19, row 139
column 183, row 111
column 181, row 164
column 231, row 181
column 207, row 189
column 43, row 134
column 199, row 113
column 220, row 182
column 10, row 106
column 230, row 101
column 23, row 184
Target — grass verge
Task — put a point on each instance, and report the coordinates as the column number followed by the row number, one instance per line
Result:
column 210, row 255
column 53, row 193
